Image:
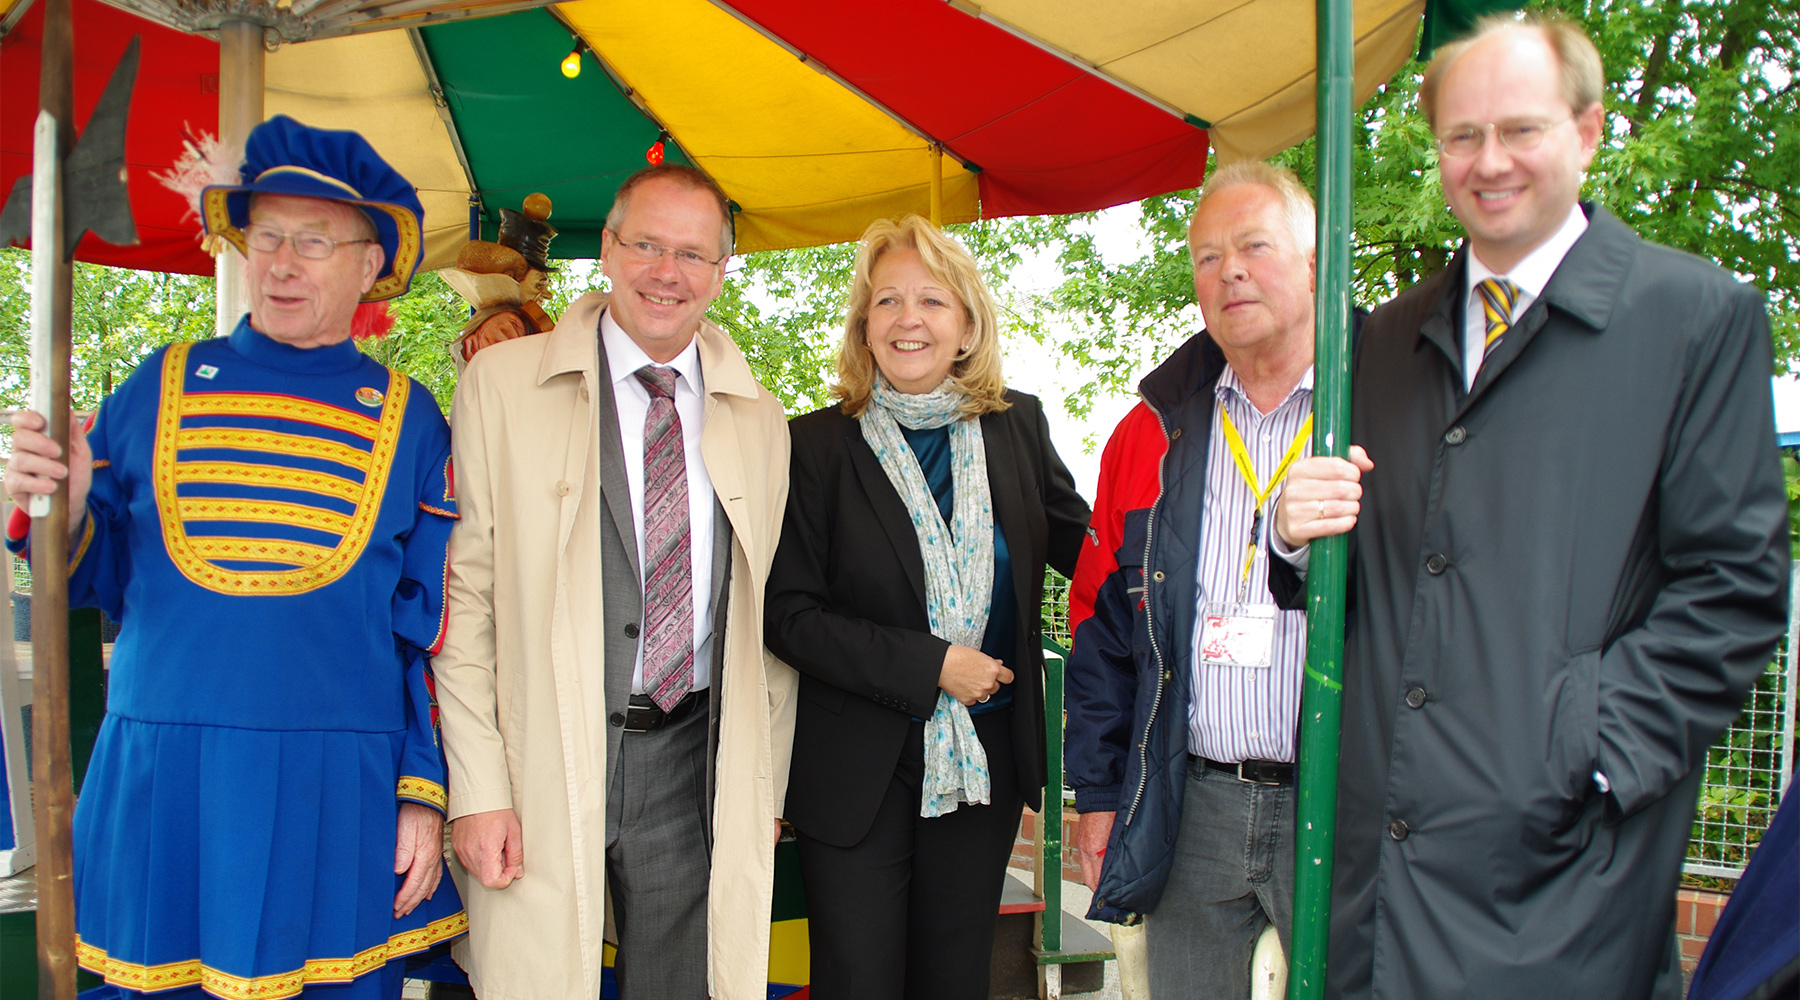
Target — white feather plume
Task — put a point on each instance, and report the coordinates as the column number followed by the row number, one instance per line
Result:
column 204, row 162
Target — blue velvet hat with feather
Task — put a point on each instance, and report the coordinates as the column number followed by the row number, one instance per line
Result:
column 282, row 156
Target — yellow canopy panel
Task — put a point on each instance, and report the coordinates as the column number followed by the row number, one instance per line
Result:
column 799, row 151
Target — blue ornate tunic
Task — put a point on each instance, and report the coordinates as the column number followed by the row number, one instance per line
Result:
column 268, row 526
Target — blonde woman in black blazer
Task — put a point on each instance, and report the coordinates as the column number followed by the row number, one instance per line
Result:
column 900, row 905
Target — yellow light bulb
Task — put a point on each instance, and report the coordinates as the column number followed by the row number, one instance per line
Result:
column 571, row 64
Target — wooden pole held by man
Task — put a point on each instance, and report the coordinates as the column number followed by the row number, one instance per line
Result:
column 52, row 273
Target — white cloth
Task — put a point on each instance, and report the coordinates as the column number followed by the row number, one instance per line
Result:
column 1530, row 275
column 1245, row 713
column 623, row 358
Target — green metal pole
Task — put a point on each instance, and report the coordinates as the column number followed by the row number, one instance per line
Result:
column 1050, row 819
column 1321, row 695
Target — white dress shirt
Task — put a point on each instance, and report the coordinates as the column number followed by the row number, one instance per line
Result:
column 1530, row 274
column 632, row 400
column 1245, row 713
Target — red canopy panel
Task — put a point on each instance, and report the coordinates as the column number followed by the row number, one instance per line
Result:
column 1049, row 138
column 177, row 86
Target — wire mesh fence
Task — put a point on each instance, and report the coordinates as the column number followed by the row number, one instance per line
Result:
column 1748, row 770
column 1056, row 607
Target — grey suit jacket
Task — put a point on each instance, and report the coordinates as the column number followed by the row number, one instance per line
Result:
column 622, row 584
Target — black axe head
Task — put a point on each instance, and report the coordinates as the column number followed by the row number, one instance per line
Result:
column 95, row 196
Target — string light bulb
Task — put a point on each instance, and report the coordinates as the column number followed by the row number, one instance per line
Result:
column 571, row 64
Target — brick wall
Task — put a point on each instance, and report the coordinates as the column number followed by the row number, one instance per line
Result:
column 1696, row 913
column 1023, row 856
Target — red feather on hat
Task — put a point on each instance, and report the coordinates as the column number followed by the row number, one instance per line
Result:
column 372, row 321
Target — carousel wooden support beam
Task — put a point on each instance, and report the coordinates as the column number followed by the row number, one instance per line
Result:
column 52, row 293
column 240, row 110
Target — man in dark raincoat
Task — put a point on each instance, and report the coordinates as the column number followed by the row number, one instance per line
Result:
column 1569, row 563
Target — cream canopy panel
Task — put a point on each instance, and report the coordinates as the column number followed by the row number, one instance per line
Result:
column 1243, row 66
column 374, row 84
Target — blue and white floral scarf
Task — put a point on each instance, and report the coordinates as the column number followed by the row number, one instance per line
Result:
column 959, row 567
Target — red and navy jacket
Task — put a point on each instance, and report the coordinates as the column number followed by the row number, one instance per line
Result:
column 1132, row 604
column 1131, row 612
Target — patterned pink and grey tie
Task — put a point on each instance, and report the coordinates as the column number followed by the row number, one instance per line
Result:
column 668, row 569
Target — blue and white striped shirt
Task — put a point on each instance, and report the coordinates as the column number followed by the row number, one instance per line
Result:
column 1245, row 713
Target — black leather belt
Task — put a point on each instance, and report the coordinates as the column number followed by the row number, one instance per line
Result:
column 1256, row 772
column 643, row 716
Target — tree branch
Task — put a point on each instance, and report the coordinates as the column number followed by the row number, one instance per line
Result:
column 1651, row 81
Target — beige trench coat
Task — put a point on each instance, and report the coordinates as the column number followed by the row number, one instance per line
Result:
column 519, row 680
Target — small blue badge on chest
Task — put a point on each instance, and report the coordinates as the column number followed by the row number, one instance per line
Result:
column 369, row 396
column 206, row 371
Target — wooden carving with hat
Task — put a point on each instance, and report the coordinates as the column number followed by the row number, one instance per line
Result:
column 503, row 281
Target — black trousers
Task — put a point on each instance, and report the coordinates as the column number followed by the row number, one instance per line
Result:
column 909, row 912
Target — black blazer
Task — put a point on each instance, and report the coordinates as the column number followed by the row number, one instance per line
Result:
column 846, row 607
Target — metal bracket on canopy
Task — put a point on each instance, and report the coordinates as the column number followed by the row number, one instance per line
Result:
column 443, row 109
column 11, row 18
column 309, row 20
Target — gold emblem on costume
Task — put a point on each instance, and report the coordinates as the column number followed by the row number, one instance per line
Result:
column 369, row 396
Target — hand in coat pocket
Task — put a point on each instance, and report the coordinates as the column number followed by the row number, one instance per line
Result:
column 1574, row 744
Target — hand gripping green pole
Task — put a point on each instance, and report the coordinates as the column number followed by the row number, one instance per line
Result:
column 1321, row 694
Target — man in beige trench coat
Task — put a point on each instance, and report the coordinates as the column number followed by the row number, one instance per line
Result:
column 531, row 678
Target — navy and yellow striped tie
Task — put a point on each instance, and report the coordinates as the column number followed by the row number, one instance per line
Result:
column 1498, row 297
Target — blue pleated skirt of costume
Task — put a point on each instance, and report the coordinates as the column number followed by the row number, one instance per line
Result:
column 251, row 863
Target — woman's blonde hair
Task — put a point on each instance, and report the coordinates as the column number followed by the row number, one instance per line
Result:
column 975, row 374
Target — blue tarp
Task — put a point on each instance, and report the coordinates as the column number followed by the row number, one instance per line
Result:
column 1756, row 944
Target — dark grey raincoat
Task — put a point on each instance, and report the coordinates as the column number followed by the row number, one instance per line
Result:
column 1580, row 565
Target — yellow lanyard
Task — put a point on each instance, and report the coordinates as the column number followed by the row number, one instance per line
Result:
column 1259, row 493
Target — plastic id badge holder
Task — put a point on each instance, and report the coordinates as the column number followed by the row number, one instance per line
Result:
column 1237, row 635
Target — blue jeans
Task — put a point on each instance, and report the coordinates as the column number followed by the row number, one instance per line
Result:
column 1233, row 874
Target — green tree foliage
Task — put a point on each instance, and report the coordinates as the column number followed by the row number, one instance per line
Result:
column 120, row 316
column 427, row 321
column 785, row 309
column 1702, row 155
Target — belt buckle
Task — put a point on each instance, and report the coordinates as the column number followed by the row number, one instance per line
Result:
column 652, row 719
column 1249, row 780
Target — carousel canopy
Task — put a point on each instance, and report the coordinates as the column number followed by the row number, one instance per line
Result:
column 815, row 116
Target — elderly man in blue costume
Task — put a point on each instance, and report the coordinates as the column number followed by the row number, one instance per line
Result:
column 266, row 514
